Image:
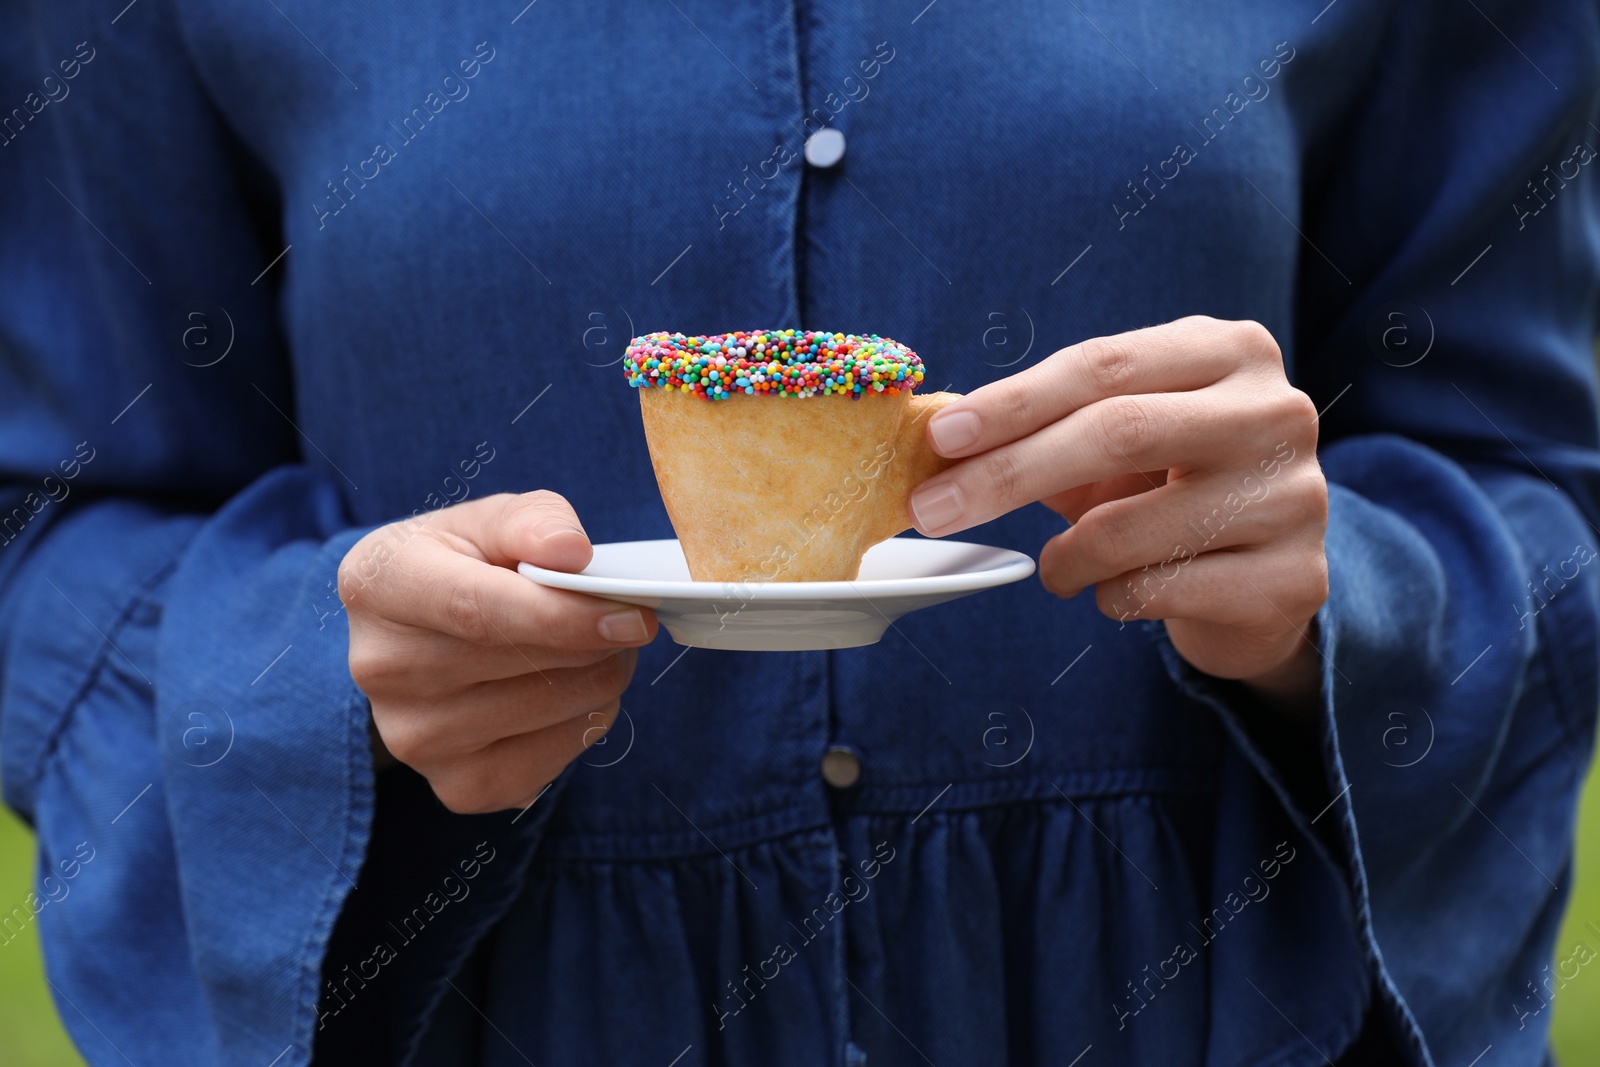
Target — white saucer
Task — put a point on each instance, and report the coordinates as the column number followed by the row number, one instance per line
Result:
column 897, row 576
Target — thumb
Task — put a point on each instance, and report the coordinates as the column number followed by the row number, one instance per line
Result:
column 507, row 528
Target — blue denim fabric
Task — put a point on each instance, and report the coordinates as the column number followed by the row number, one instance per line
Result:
column 274, row 338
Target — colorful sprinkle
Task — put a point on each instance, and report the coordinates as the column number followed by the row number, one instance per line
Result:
column 796, row 363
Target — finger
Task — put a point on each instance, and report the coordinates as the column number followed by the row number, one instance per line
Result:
column 428, row 735
column 513, row 772
column 434, row 587
column 399, row 658
column 1072, row 503
column 503, row 530
column 1182, row 519
column 507, row 528
column 1190, row 353
column 1252, row 590
column 1122, row 435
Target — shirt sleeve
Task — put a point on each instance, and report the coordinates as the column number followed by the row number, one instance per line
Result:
column 1445, row 323
column 177, row 718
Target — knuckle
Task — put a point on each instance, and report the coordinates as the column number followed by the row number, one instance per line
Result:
column 546, row 498
column 463, row 612
column 1129, row 425
column 1255, row 340
column 369, row 668
column 406, row 739
column 1261, row 617
column 507, row 508
column 495, row 782
column 533, row 506
column 1102, row 534
column 1296, row 408
column 1317, row 579
column 464, row 797
column 1115, row 599
column 1316, row 490
column 345, row 577
column 472, row 787
column 502, row 502
column 360, row 566
column 1023, row 403
column 1306, row 492
column 1003, row 473
column 1109, row 363
column 497, row 508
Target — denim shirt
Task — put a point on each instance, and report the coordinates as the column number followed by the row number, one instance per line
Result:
column 276, row 275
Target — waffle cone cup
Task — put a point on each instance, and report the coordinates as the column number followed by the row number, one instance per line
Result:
column 766, row 488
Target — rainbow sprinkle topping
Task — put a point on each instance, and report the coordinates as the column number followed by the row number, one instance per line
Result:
column 796, row 363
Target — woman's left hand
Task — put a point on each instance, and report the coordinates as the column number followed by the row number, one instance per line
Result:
column 1186, row 464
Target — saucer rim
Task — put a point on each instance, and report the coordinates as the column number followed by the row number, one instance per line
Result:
column 1008, row 566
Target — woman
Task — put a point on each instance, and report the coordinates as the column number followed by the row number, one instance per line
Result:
column 323, row 308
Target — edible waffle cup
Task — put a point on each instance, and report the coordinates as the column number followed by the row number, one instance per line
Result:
column 764, row 487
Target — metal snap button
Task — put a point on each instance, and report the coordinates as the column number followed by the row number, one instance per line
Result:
column 825, row 147
column 841, row 767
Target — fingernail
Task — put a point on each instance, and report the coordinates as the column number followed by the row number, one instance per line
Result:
column 548, row 531
column 953, row 430
column 936, row 506
column 622, row 626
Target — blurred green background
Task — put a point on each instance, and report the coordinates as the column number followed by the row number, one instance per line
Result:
column 31, row 1034
column 1576, row 1029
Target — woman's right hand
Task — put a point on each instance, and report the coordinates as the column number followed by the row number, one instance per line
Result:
column 485, row 683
